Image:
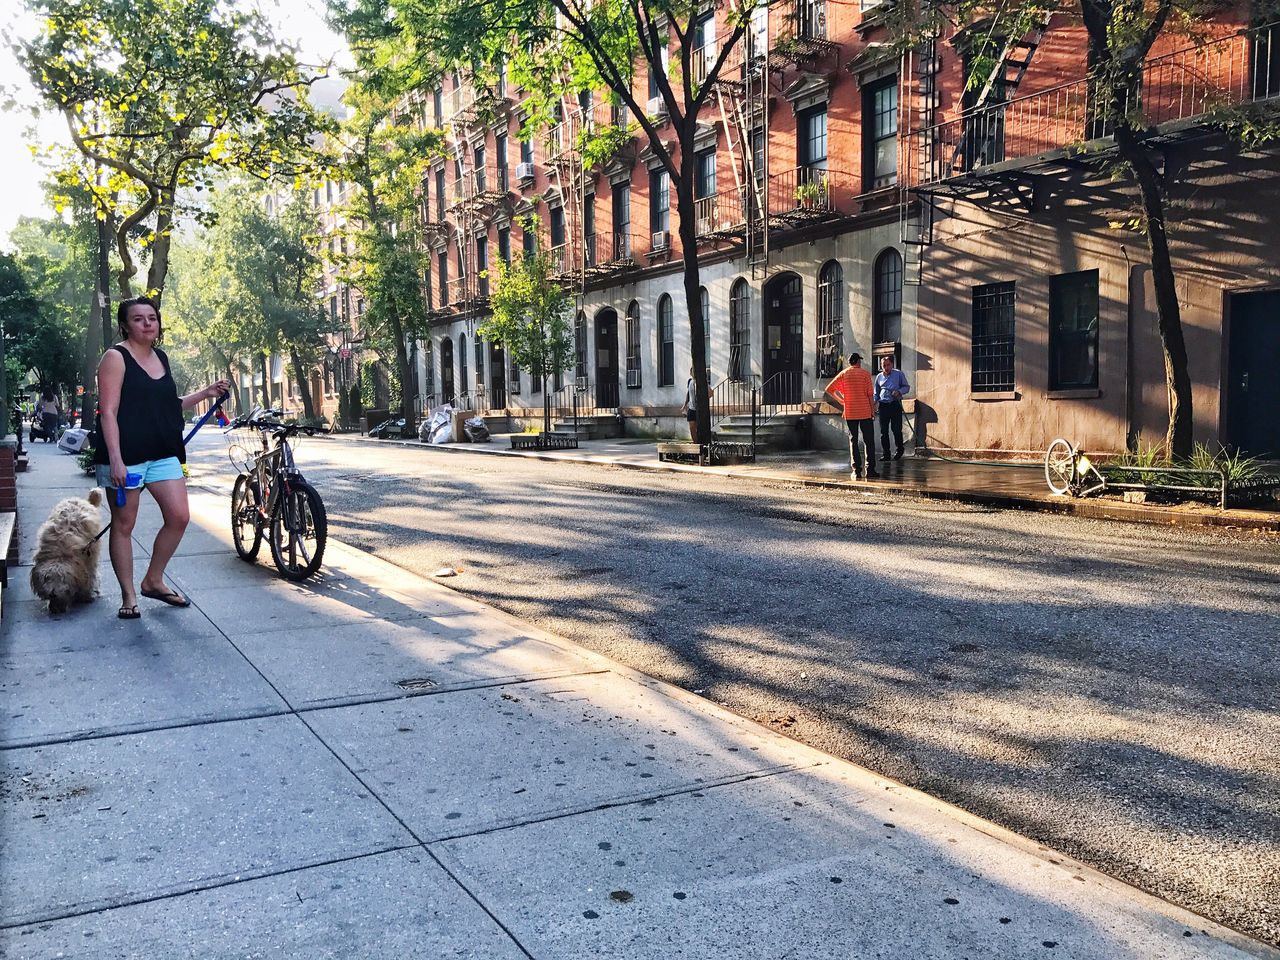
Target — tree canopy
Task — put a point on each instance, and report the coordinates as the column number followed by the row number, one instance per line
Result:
column 162, row 97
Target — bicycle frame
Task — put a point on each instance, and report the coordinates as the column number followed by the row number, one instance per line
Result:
column 273, row 470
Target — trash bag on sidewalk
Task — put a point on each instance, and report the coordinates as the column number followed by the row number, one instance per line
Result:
column 73, row 440
column 475, row 430
column 437, row 428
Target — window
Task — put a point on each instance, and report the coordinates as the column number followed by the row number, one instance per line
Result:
column 880, row 133
column 580, row 348
column 830, row 319
column 992, row 337
column 479, row 366
column 740, row 331
column 328, row 191
column 462, row 363
column 443, row 273
column 1073, row 331
column 589, row 228
column 437, row 106
column 429, row 368
column 557, row 227
column 482, row 265
column 584, row 104
column 526, row 151
column 621, row 220
column 500, row 149
column 886, row 307
column 633, row 344
column 514, row 377
column 665, row 57
column 666, row 343
column 440, row 194
column 757, row 154
column 479, row 159
column 426, row 284
column 659, row 201
column 704, row 304
column 982, row 139
column 704, row 182
column 704, row 44
column 504, row 245
column 529, row 240
column 811, row 141
column 812, row 19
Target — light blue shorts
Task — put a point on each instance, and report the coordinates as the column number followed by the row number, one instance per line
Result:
column 151, row 471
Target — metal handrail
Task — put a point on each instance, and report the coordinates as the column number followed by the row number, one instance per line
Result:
column 781, row 387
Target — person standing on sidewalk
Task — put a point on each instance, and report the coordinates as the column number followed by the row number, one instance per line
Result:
column 140, row 425
column 853, row 391
column 891, row 387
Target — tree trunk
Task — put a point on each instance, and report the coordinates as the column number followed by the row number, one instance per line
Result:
column 92, row 352
column 266, row 383
column 1169, row 311
column 304, row 385
column 159, row 268
column 546, row 399
column 685, row 209
column 406, row 375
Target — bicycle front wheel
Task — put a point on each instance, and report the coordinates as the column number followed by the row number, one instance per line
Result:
column 246, row 522
column 299, row 528
column 1060, row 466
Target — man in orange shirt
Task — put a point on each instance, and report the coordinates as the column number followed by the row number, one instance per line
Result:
column 853, row 391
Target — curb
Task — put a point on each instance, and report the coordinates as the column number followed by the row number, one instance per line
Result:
column 1246, row 520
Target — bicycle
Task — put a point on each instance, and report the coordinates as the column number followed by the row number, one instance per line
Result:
column 271, row 496
column 1068, row 471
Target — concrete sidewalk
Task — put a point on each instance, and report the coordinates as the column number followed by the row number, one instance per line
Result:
column 372, row 766
column 1017, row 486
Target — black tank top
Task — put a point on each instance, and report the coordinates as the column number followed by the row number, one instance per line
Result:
column 149, row 417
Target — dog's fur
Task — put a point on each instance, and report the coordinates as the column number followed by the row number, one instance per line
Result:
column 66, row 560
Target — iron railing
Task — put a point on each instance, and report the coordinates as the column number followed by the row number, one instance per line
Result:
column 736, row 398
column 1229, row 71
column 781, row 394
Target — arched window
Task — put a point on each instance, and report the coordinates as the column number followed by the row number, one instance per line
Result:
column 479, row 366
column 580, row 350
column 447, row 392
column 830, row 318
column 886, row 322
column 463, row 386
column 704, row 304
column 666, row 342
column 740, row 331
column 633, row 344
column 429, row 372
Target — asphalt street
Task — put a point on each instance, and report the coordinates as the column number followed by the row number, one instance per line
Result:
column 1108, row 689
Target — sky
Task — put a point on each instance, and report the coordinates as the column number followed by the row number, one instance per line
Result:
column 21, row 176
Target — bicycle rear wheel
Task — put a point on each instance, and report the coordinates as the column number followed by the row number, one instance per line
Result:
column 1060, row 466
column 246, row 523
column 299, row 528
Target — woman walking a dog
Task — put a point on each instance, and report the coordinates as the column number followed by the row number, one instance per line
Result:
column 140, row 444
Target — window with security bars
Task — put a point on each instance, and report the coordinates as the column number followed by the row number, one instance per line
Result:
column 479, row 365
column 992, row 338
column 739, row 331
column 830, row 319
column 514, row 377
column 633, row 345
column 429, row 368
column 886, row 314
column 666, row 343
column 704, row 304
column 580, row 348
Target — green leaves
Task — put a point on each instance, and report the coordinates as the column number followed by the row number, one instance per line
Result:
column 531, row 315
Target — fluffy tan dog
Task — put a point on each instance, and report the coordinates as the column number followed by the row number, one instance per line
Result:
column 66, row 561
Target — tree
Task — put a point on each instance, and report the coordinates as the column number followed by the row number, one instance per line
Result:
column 531, row 319
column 160, row 96
column 37, row 334
column 554, row 48
column 249, row 285
column 385, row 159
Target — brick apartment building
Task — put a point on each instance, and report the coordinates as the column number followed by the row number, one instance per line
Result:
column 852, row 198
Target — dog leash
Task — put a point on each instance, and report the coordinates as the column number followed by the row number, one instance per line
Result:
column 185, row 440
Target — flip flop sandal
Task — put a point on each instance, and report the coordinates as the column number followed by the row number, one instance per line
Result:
column 171, row 597
column 129, row 613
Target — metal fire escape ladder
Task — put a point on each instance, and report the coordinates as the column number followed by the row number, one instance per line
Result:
column 1006, row 74
column 920, row 67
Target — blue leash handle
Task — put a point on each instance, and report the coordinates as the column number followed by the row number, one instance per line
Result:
column 205, row 419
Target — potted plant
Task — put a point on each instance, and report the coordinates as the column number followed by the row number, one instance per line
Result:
column 807, row 194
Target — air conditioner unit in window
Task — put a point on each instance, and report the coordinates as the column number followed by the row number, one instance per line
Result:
column 524, row 171
column 661, row 240
column 633, row 378
column 656, row 107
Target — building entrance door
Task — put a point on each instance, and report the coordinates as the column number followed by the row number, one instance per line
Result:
column 1253, row 389
column 783, row 339
column 497, row 377
column 607, row 359
column 446, row 371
